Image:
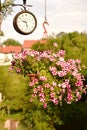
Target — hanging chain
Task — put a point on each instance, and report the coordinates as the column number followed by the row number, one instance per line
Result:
column 45, row 11
column 45, row 22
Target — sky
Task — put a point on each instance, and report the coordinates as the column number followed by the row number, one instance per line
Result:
column 62, row 16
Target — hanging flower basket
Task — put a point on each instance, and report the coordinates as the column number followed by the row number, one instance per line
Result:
column 32, row 76
column 52, row 77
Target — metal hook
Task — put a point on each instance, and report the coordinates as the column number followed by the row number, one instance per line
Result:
column 45, row 30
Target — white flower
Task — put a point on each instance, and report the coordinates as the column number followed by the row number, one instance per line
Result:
column 61, row 59
column 63, row 86
column 59, row 85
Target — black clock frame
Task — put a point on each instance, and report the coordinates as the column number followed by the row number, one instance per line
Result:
column 15, row 22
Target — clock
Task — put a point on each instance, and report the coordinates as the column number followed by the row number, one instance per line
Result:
column 24, row 22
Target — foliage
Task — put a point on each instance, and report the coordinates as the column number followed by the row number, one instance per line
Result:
column 6, row 8
column 36, row 118
column 13, row 91
column 73, row 116
column 32, row 115
column 1, row 33
column 75, row 45
column 11, row 42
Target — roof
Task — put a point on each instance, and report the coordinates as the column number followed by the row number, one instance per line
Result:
column 9, row 49
column 17, row 49
column 29, row 43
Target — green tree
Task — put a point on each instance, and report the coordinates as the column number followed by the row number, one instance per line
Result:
column 13, row 91
column 11, row 42
column 5, row 9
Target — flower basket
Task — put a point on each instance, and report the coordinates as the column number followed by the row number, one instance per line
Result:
column 32, row 76
column 52, row 77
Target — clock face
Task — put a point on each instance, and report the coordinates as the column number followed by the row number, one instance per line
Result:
column 25, row 22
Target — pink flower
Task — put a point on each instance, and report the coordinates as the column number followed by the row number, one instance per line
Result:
column 51, row 88
column 78, row 95
column 35, row 90
column 41, row 95
column 33, row 82
column 40, row 88
column 43, row 78
column 55, row 101
column 45, row 105
column 69, row 96
column 54, row 83
column 62, row 73
column 17, row 56
column 55, row 44
column 79, row 83
column 18, row 70
column 42, row 100
column 61, row 53
column 52, row 95
column 13, row 63
column 24, row 54
column 47, row 85
column 34, row 95
column 51, row 58
column 11, row 68
column 53, row 70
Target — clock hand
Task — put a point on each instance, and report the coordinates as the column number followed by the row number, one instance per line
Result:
column 26, row 23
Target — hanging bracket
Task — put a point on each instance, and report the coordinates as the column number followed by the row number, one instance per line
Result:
column 24, row 2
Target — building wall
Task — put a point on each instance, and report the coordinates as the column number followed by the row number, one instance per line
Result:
column 5, row 59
